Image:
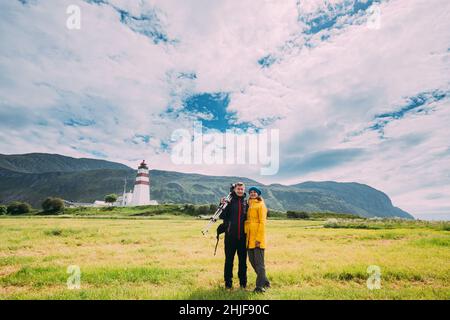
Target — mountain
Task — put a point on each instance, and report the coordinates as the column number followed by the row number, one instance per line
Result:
column 44, row 162
column 32, row 177
column 358, row 195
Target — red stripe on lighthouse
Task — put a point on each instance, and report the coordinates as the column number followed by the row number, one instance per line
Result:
column 142, row 175
column 142, row 182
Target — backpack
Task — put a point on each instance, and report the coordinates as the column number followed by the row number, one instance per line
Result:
column 220, row 229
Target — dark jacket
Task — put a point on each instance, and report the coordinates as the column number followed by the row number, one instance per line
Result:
column 235, row 215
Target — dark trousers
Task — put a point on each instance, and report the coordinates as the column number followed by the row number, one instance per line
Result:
column 256, row 257
column 233, row 245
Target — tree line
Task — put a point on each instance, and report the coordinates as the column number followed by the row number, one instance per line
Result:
column 51, row 205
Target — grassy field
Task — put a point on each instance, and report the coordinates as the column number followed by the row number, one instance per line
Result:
column 166, row 257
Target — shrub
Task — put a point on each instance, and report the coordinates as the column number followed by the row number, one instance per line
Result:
column 17, row 207
column 203, row 210
column 297, row 215
column 52, row 205
column 107, row 208
column 331, row 223
column 111, row 198
column 3, row 210
column 329, row 215
column 275, row 214
column 54, row 232
column 196, row 210
column 212, row 208
column 189, row 209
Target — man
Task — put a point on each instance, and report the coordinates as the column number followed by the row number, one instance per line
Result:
column 234, row 216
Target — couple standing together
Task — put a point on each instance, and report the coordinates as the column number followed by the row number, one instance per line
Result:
column 245, row 234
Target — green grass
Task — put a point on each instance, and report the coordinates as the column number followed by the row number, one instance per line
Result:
column 123, row 256
column 136, row 211
column 378, row 224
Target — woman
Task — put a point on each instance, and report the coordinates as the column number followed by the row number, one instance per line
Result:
column 255, row 228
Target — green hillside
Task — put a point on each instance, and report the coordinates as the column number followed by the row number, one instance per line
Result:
column 22, row 178
column 44, row 162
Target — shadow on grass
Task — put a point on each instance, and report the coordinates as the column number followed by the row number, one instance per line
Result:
column 220, row 294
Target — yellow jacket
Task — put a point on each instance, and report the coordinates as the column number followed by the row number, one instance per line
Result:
column 255, row 225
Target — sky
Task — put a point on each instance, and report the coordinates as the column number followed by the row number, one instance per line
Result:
column 359, row 90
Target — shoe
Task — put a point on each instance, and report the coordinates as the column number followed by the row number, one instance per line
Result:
column 267, row 285
column 259, row 290
column 243, row 286
column 228, row 286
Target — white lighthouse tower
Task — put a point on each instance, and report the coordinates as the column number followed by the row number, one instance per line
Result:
column 141, row 193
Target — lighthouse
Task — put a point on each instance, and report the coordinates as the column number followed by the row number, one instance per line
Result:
column 140, row 196
column 141, row 193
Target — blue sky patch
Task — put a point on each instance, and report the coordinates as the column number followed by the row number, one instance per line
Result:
column 267, row 61
column 73, row 122
column 141, row 138
column 416, row 104
column 327, row 19
column 321, row 22
column 211, row 110
column 187, row 75
column 214, row 107
column 147, row 24
column 94, row 153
